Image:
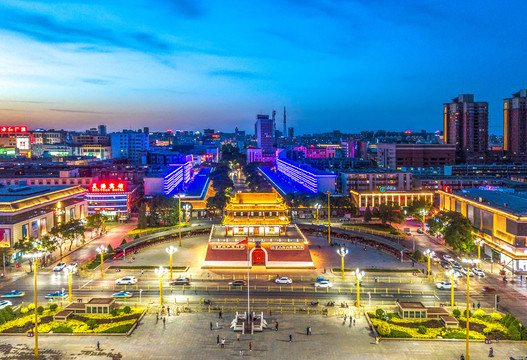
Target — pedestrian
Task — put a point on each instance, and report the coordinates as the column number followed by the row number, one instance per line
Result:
column 223, row 343
column 241, row 352
column 350, row 321
column 479, row 305
column 345, row 317
column 307, row 330
column 353, row 322
column 220, row 315
column 157, row 317
column 218, row 339
column 376, row 340
column 276, row 326
column 521, row 278
column 98, row 346
column 217, row 325
column 238, row 336
column 164, row 321
column 250, row 346
column 290, row 337
column 473, row 306
column 142, row 272
column 168, row 310
column 211, row 326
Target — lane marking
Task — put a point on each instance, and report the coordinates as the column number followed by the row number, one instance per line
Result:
column 86, row 283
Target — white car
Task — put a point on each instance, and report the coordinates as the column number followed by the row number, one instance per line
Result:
column 408, row 233
column 464, row 271
column 59, row 266
column 5, row 303
column 128, row 280
column 324, row 284
column 447, row 285
column 478, row 272
column 73, row 265
column 283, row 280
column 448, row 258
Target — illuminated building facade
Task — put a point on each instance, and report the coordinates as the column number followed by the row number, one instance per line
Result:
column 515, row 126
column 386, row 195
column 396, row 156
column 111, row 198
column 309, row 179
column 499, row 216
column 16, row 137
column 170, row 180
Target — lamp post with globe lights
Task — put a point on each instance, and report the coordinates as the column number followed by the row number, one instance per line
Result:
column 34, row 257
column 358, row 275
column 452, row 276
column 342, row 252
column 479, row 243
column 102, row 250
column 160, row 272
column 69, row 270
column 171, row 250
column 317, row 207
column 429, row 254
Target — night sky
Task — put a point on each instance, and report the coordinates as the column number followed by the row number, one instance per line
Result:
column 191, row 64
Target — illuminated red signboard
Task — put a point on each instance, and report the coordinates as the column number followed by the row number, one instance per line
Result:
column 14, row 129
column 108, row 187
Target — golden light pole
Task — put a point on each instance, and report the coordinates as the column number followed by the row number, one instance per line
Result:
column 479, row 243
column 452, row 276
column 429, row 254
column 160, row 272
column 69, row 270
column 179, row 196
column 102, row 250
column 342, row 252
column 34, row 258
column 358, row 275
column 469, row 262
column 318, row 206
column 329, row 219
column 171, row 250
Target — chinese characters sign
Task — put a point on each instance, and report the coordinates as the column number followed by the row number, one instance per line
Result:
column 108, row 187
column 16, row 129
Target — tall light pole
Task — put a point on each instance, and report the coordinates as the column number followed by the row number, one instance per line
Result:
column 187, row 208
column 358, row 275
column 469, row 262
column 452, row 276
column 179, row 196
column 34, row 258
column 329, row 219
column 102, row 250
column 69, row 270
column 479, row 243
column 160, row 272
column 171, row 250
column 429, row 253
column 342, row 252
column 317, row 207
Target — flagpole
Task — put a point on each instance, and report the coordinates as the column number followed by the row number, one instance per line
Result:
column 248, row 282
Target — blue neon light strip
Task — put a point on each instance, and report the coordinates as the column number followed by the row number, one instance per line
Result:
column 173, row 180
column 303, row 177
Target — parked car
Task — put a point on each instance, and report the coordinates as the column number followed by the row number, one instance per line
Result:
column 488, row 289
column 283, row 280
column 344, row 219
column 408, row 233
column 180, row 281
column 455, row 264
column 319, row 279
column 238, row 283
column 435, row 258
column 324, row 284
column 445, row 285
column 13, row 294
column 127, row 280
column 458, row 273
column 5, row 303
column 60, row 266
column 465, row 271
column 420, row 231
column 122, row 294
column 73, row 265
column 478, row 272
column 445, row 264
column 448, row 258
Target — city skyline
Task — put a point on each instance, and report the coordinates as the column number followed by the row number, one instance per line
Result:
column 195, row 65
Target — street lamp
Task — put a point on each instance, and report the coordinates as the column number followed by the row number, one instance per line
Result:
column 101, row 249
column 342, row 252
column 452, row 276
column 160, row 272
column 479, row 243
column 187, row 208
column 317, row 207
column 171, row 250
column 329, row 219
column 358, row 275
column 34, row 258
column 469, row 262
column 423, row 213
column 70, row 270
column 429, row 253
column 179, row 196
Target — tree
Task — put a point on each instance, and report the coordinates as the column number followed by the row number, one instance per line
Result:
column 419, row 209
column 72, row 230
column 367, row 214
column 375, row 213
column 455, row 228
column 390, row 212
column 96, row 220
column 142, row 219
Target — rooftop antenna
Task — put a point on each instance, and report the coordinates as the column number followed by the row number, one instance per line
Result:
column 285, row 128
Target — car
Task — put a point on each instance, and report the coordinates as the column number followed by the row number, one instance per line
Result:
column 238, row 283
column 127, row 280
column 445, row 285
column 57, row 295
column 5, row 303
column 458, row 273
column 448, row 258
column 420, row 231
column 488, row 289
column 408, row 233
column 123, row 294
column 445, row 264
column 324, row 284
column 13, row 294
column 283, row 280
column 465, row 271
column 478, row 272
column 435, row 259
column 455, row 264
column 73, row 265
column 319, row 279
column 344, row 219
column 60, row 266
column 180, row 281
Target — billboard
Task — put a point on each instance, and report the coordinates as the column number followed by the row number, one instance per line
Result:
column 108, row 187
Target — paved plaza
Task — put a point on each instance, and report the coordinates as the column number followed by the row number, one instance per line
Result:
column 188, row 336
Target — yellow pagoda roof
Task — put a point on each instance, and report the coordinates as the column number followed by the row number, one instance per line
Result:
column 256, row 201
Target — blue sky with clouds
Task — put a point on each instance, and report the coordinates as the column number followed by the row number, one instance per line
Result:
column 191, row 64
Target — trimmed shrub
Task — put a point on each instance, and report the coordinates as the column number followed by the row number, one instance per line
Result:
column 496, row 316
column 524, row 334
column 24, row 310
column 456, row 313
column 120, row 329
column 53, row 307
column 40, row 310
column 516, row 323
column 479, row 313
column 469, row 313
column 2, row 318
column 399, row 334
column 91, row 324
column 384, row 329
column 514, row 333
column 127, row 309
column 379, row 313
column 62, row 330
column 31, row 306
column 9, row 310
column 422, row 329
column 114, row 312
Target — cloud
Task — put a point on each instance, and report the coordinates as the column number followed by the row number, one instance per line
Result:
column 78, row 111
column 26, row 101
column 235, row 74
column 96, row 81
column 188, row 8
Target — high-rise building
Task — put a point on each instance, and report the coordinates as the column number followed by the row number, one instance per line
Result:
column 129, row 144
column 515, row 126
column 466, row 126
column 101, row 129
column 264, row 133
column 290, row 132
